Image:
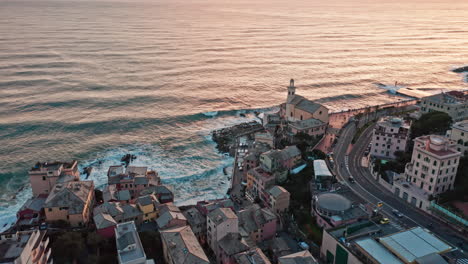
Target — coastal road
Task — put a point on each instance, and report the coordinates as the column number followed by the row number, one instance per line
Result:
column 367, row 188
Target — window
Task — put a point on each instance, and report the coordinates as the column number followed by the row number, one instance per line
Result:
column 43, row 178
column 417, row 164
column 433, row 172
column 423, row 175
column 448, row 163
column 378, row 138
column 50, row 209
column 419, row 156
column 431, row 180
column 435, row 163
column 430, row 187
column 291, row 114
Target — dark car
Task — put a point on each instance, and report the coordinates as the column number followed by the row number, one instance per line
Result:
column 351, row 179
column 397, row 213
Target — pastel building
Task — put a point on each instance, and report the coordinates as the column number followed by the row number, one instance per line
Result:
column 32, row 211
column 432, row 170
column 170, row 216
column 134, row 179
column 258, row 182
column 257, row 224
column 251, row 256
column 109, row 214
column 459, row 134
column 285, row 159
column 71, row 202
column 391, row 134
column 278, row 199
column 163, row 193
column 434, row 164
column 180, row 246
column 43, row 176
column 31, row 247
column 454, row 103
column 220, row 223
column 129, row 247
column 228, row 247
column 197, row 222
column 148, row 206
column 298, row 108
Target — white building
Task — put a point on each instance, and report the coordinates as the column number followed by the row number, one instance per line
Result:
column 454, row 103
column 220, row 223
column 434, row 164
column 31, row 247
column 459, row 134
column 391, row 134
column 321, row 170
column 129, row 247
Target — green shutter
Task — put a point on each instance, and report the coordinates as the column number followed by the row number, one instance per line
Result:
column 341, row 255
column 330, row 257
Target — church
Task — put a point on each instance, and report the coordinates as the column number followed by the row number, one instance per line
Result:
column 303, row 115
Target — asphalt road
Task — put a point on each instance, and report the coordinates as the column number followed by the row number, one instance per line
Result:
column 367, row 188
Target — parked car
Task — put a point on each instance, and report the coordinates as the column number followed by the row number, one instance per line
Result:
column 384, row 221
column 351, row 179
column 397, row 213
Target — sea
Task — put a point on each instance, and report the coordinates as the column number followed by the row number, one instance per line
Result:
column 95, row 80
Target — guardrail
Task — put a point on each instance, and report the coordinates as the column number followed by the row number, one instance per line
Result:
column 448, row 213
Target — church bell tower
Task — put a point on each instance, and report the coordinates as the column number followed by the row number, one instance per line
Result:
column 291, row 91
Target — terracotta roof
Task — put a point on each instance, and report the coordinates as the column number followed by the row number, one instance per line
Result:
column 183, row 246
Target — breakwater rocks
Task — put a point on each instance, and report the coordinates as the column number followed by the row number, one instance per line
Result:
column 225, row 138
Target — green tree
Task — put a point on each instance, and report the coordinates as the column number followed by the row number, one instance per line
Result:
column 68, row 247
column 431, row 123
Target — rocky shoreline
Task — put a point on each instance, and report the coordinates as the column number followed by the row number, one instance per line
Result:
column 225, row 138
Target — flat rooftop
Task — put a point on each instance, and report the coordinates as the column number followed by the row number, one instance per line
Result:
column 414, row 243
column 376, row 251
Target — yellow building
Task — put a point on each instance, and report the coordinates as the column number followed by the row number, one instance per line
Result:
column 299, row 108
column 148, row 205
column 71, row 202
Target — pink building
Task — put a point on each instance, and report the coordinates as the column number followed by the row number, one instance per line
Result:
column 278, row 199
column 220, row 223
column 206, row 207
column 257, row 224
column 254, row 255
column 161, row 192
column 43, row 176
column 258, row 182
column 284, row 159
column 25, row 247
column 32, row 211
column 134, row 179
column 229, row 246
column 105, row 225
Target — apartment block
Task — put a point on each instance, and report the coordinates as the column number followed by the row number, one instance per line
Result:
column 391, row 134
column 44, row 175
